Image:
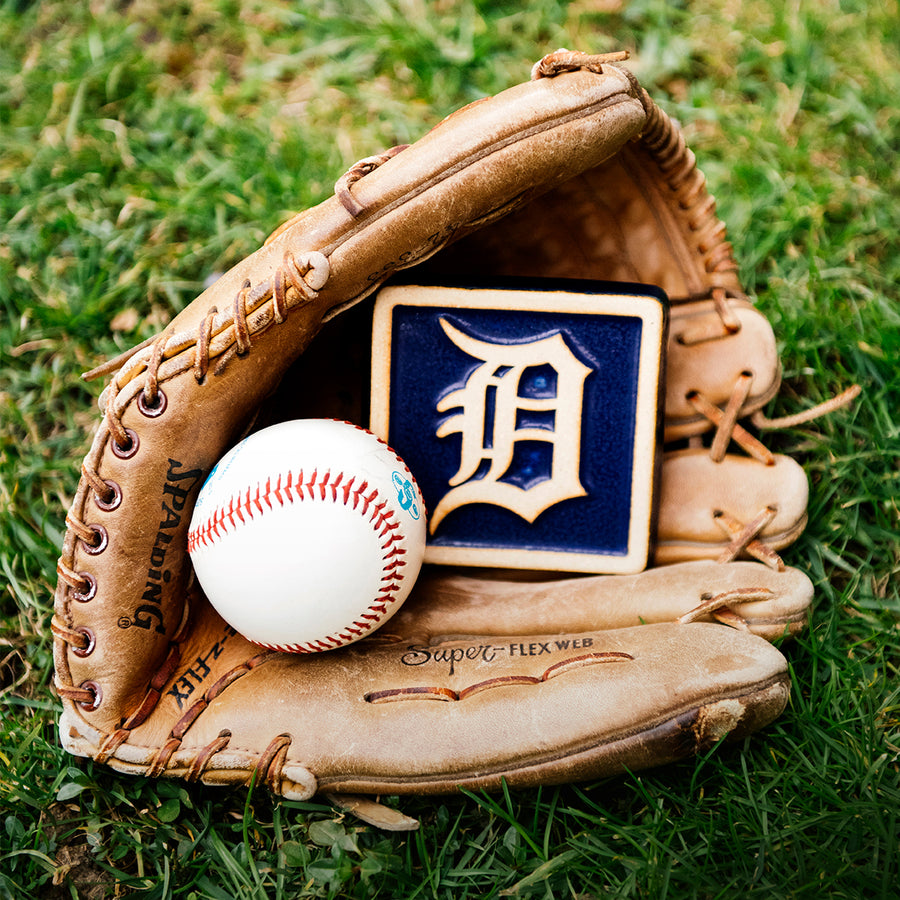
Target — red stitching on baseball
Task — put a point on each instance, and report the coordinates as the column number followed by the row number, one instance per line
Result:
column 287, row 489
column 277, row 491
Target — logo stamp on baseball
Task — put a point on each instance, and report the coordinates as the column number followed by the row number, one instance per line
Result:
column 308, row 535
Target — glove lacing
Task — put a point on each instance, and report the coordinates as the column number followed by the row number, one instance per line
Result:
column 296, row 282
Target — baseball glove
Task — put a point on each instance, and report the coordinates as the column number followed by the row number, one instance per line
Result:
column 480, row 678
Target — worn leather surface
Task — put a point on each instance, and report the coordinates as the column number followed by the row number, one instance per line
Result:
column 431, row 715
column 579, row 175
column 455, row 603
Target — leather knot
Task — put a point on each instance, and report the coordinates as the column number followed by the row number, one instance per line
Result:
column 563, row 60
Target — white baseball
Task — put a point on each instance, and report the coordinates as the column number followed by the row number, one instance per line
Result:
column 308, row 535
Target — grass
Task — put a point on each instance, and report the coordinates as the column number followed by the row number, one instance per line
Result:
column 145, row 146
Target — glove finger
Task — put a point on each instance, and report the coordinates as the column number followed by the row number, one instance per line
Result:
column 707, row 360
column 721, row 510
column 542, row 710
column 451, row 604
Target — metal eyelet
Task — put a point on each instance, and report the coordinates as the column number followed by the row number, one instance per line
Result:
column 89, row 592
column 96, row 690
column 101, row 543
column 91, row 644
column 130, row 448
column 152, row 410
column 114, row 502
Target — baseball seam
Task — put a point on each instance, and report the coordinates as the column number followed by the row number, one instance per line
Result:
column 248, row 504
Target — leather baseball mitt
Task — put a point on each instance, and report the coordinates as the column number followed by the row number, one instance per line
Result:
column 481, row 677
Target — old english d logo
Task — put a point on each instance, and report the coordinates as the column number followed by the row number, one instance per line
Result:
column 528, row 417
column 488, row 421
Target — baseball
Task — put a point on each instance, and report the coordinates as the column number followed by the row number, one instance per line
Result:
column 308, row 535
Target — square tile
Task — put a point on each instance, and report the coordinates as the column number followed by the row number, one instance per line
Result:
column 530, row 417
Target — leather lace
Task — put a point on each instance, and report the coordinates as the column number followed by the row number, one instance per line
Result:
column 747, row 537
column 357, row 171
